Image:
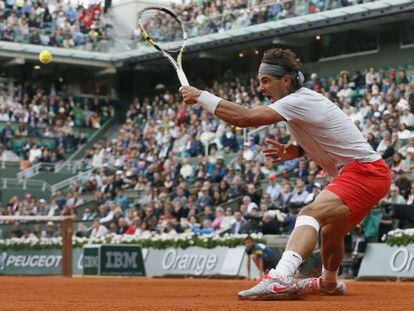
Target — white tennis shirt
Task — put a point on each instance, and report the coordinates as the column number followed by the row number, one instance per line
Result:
column 325, row 132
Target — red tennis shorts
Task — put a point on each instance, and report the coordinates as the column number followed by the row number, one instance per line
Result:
column 361, row 185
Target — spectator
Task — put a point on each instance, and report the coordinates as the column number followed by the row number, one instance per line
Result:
column 289, row 219
column 208, row 214
column 285, row 195
column 121, row 199
column 403, row 183
column 394, row 196
column 397, row 162
column 247, row 202
column 16, row 231
column 273, row 189
column 228, row 220
column 316, row 189
column 410, row 199
column 98, row 230
column 194, row 146
column 219, row 218
column 236, row 189
column 254, row 194
column 408, row 162
column 301, row 171
column 7, row 136
column 122, row 226
column 204, row 198
column 186, row 170
column 359, row 247
column 240, row 225
column 75, row 201
column 219, row 171
column 270, row 225
column 50, row 231
column 207, row 228
column 229, row 140
column 299, row 194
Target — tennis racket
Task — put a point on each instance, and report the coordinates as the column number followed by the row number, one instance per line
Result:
column 164, row 31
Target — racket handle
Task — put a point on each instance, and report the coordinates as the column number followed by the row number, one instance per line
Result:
column 182, row 77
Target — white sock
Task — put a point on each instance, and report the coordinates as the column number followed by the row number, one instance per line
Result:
column 329, row 276
column 287, row 265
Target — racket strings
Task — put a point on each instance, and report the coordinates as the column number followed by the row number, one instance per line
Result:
column 162, row 28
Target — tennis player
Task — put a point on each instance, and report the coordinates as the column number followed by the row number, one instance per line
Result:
column 322, row 132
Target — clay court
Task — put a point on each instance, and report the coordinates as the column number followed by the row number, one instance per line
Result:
column 105, row 293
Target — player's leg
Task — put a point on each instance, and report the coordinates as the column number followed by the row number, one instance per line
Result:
column 332, row 252
column 327, row 208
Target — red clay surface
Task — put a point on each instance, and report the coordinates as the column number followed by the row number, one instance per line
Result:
column 105, row 293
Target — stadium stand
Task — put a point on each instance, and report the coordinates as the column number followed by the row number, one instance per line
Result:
column 41, row 124
column 206, row 17
column 60, row 25
column 156, row 175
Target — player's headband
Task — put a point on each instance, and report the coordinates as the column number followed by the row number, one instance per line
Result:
column 280, row 71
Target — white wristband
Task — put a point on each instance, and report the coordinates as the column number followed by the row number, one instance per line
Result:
column 209, row 101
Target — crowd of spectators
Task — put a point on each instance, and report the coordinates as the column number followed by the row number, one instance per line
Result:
column 175, row 157
column 64, row 25
column 186, row 164
column 58, row 25
column 30, row 114
column 209, row 16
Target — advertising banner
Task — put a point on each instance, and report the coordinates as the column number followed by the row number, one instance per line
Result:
column 130, row 260
column 121, row 260
column 384, row 261
column 91, row 254
column 113, row 260
column 197, row 261
column 37, row 262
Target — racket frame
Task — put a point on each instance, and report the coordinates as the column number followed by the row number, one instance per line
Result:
column 177, row 64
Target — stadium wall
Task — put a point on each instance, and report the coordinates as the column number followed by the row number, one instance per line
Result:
column 389, row 54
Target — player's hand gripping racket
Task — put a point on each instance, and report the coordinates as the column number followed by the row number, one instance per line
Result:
column 164, row 31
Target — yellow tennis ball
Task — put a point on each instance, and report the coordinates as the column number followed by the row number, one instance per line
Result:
column 45, row 57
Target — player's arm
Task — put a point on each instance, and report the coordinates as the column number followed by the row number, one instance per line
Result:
column 280, row 153
column 229, row 112
column 246, row 117
column 248, row 266
column 259, row 265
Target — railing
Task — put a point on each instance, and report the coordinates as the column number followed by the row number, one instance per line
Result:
column 73, row 166
column 27, row 183
column 5, row 162
column 81, row 177
column 24, row 183
column 29, row 172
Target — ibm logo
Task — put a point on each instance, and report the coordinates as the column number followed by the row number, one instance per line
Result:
column 121, row 260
